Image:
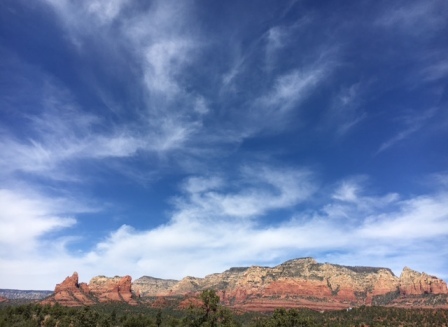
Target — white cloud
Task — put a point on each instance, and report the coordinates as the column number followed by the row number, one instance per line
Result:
column 60, row 134
column 105, row 10
column 162, row 41
column 199, row 241
column 24, row 219
column 348, row 191
column 216, row 223
column 290, row 89
column 276, row 38
column 217, row 220
column 78, row 14
column 29, row 215
column 164, row 59
column 267, row 189
column 420, row 217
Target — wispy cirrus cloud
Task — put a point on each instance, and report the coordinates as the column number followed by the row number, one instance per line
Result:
column 414, row 17
column 162, row 43
column 346, row 112
column 412, row 124
column 435, row 70
column 36, row 215
column 267, row 189
column 215, row 223
column 106, row 11
column 219, row 240
column 279, row 37
column 159, row 94
column 62, row 130
column 100, row 11
column 285, row 96
column 420, row 217
column 291, row 88
column 59, row 133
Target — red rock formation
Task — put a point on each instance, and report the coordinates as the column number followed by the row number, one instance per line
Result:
column 295, row 283
column 190, row 301
column 2, row 299
column 70, row 293
column 112, row 289
column 100, row 289
column 306, row 283
column 160, row 303
column 415, row 283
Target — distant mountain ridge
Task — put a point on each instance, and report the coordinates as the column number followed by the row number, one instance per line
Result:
column 295, row 283
column 12, row 294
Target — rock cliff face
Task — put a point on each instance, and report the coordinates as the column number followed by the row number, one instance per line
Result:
column 413, row 282
column 306, row 283
column 150, row 286
column 114, row 289
column 295, row 283
column 71, row 293
column 100, row 289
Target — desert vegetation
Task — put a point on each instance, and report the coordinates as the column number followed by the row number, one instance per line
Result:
column 208, row 312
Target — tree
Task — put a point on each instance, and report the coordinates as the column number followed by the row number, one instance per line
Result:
column 210, row 306
column 209, row 314
column 159, row 318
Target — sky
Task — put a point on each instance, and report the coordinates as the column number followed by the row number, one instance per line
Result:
column 182, row 138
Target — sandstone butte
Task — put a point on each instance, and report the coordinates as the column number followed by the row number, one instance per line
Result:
column 100, row 289
column 292, row 284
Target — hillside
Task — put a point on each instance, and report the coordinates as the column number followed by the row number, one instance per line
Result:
column 292, row 284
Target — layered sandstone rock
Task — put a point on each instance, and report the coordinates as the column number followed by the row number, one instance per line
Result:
column 295, row 283
column 100, row 289
column 307, row 283
column 413, row 282
column 71, row 293
column 114, row 289
column 150, row 286
column 304, row 280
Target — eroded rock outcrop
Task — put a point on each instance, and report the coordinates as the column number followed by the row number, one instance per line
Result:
column 150, row 286
column 301, row 282
column 307, row 283
column 106, row 289
column 71, row 293
column 295, row 283
column 100, row 289
column 414, row 283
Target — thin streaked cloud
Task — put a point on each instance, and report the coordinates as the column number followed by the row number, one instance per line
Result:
column 136, row 136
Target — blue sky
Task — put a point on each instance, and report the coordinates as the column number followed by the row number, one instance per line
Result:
column 174, row 138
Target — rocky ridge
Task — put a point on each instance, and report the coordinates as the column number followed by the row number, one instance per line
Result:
column 295, row 283
column 24, row 294
column 150, row 286
column 106, row 289
column 100, row 289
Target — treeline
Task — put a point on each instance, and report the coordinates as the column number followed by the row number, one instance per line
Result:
column 211, row 314
column 357, row 317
